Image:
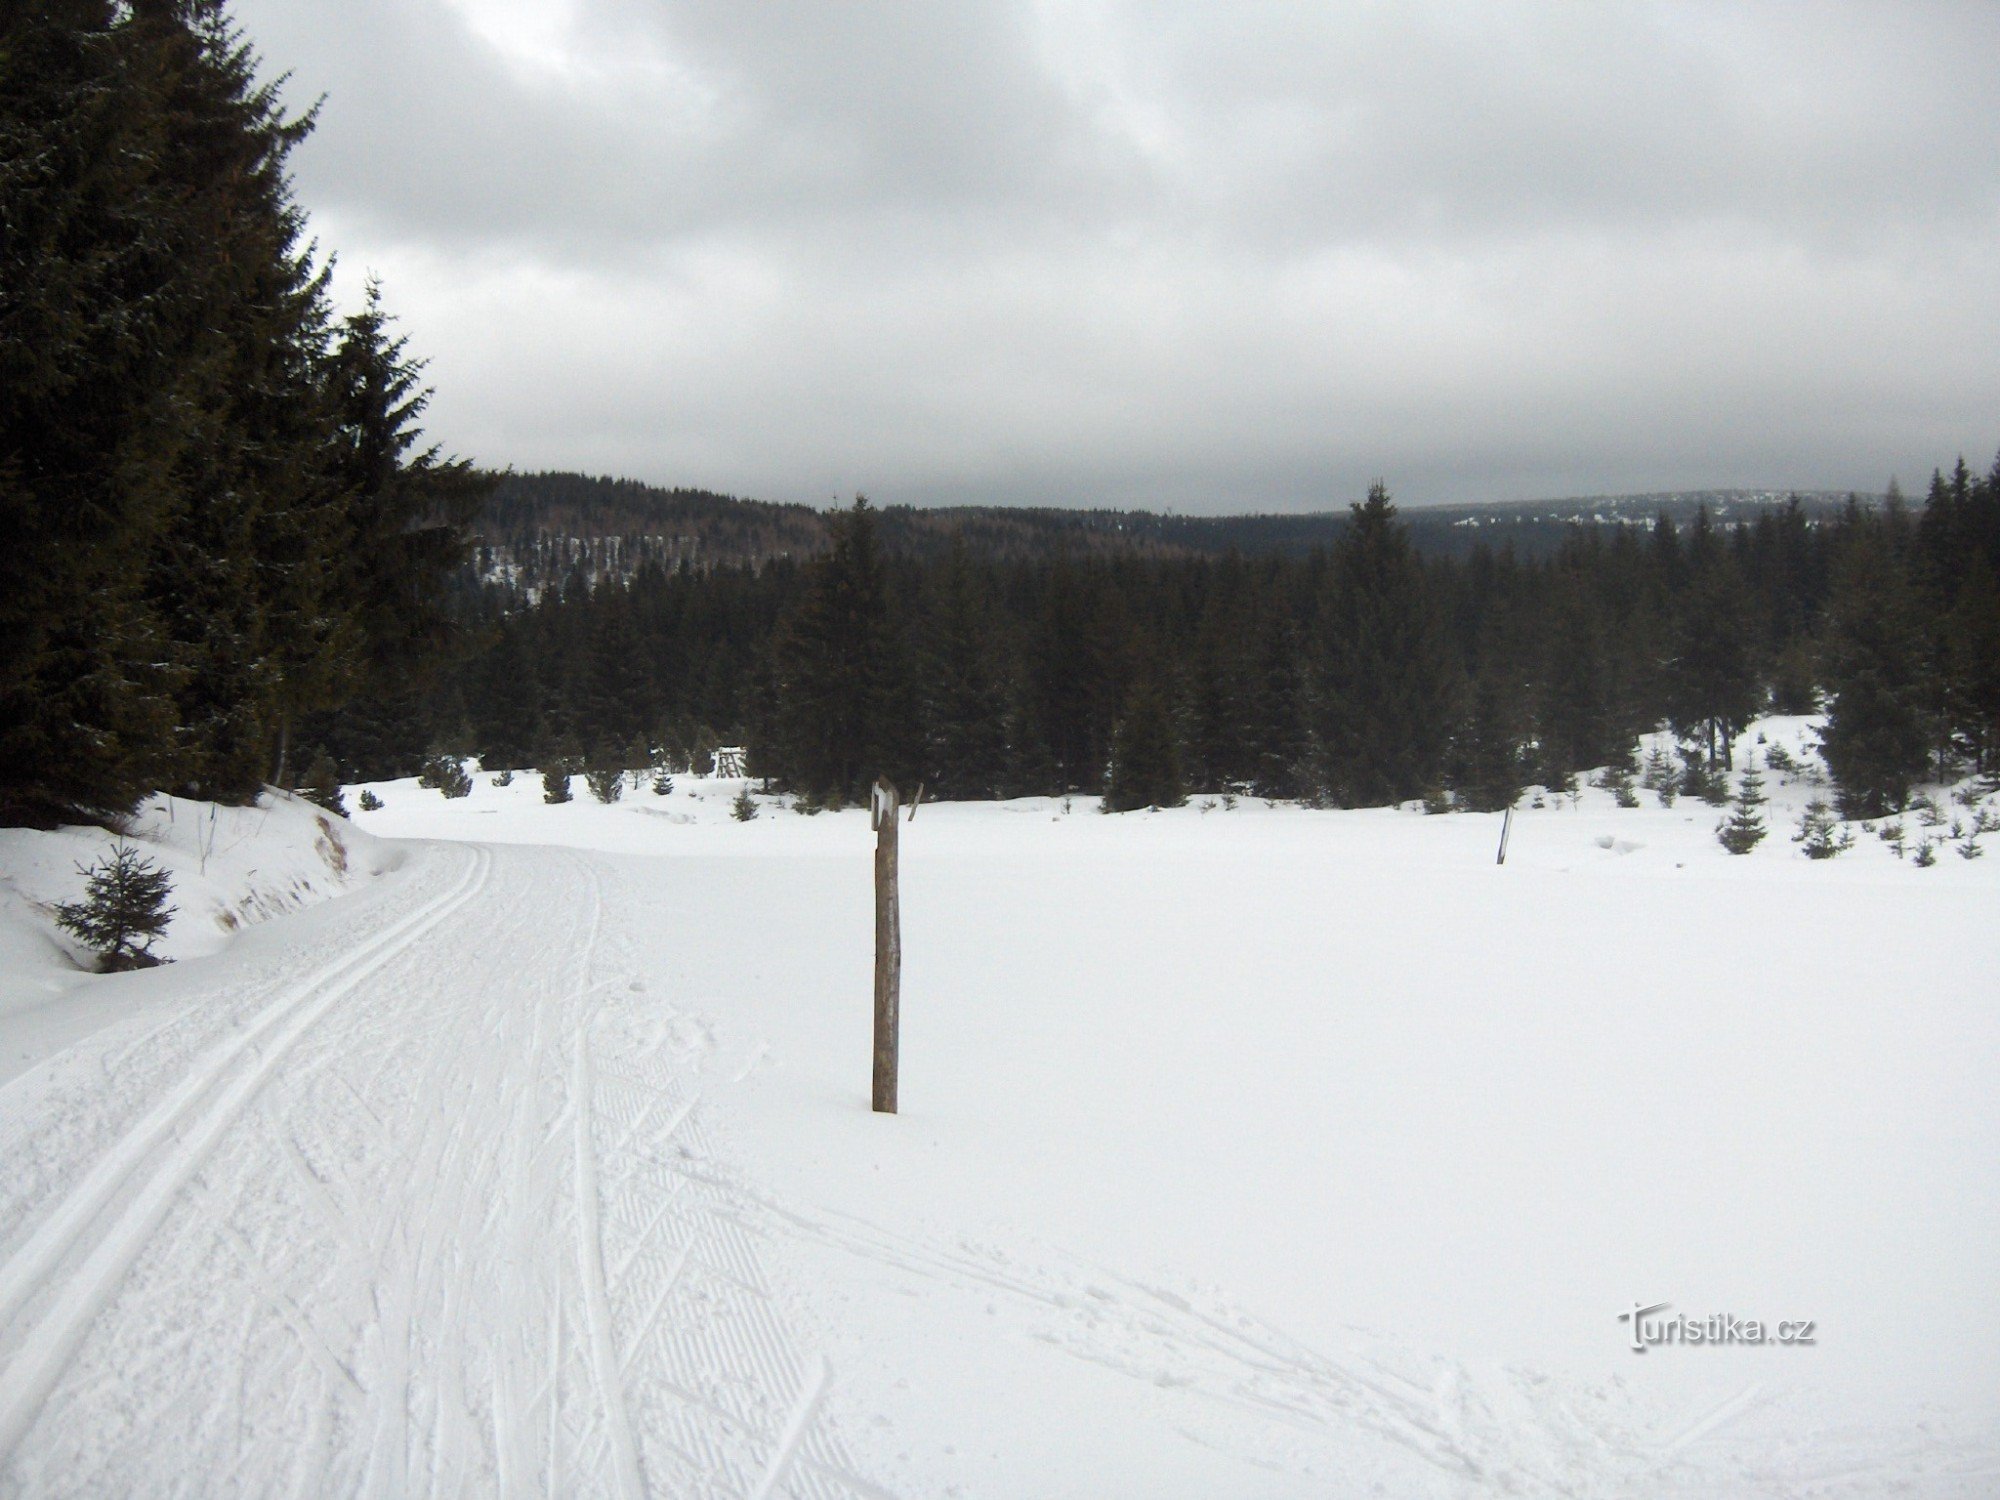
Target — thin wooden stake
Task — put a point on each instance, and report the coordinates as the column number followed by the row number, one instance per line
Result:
column 883, row 806
column 1506, row 826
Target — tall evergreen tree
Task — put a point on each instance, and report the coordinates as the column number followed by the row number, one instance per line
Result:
column 1285, row 759
column 964, row 698
column 238, row 576
column 1874, row 742
column 1714, row 683
column 1386, row 712
column 1145, row 753
column 1060, row 713
column 406, row 508
column 839, row 680
column 1972, row 642
column 94, row 308
column 1575, row 715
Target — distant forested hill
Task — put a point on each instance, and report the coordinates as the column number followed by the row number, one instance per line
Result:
column 540, row 528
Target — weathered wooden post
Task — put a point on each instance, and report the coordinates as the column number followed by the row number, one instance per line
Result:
column 883, row 804
column 1506, row 827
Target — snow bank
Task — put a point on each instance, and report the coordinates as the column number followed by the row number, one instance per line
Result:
column 232, row 867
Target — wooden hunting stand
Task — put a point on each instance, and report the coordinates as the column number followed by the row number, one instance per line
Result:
column 884, row 802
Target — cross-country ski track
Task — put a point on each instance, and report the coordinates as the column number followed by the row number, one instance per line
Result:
column 394, row 1223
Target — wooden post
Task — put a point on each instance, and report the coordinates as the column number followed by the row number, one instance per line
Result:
column 883, row 805
column 1506, row 826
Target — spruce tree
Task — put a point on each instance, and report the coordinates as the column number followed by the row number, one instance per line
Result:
column 1386, row 710
column 605, row 779
column 1874, row 743
column 1145, row 756
column 94, row 301
column 405, row 507
column 322, row 784
column 839, row 670
column 1487, row 769
column 1574, row 711
column 1743, row 830
column 1972, row 638
column 965, row 701
column 1286, row 761
column 1060, row 716
column 124, row 910
column 1821, row 835
column 1222, row 750
column 447, row 774
column 1713, row 678
column 238, row 576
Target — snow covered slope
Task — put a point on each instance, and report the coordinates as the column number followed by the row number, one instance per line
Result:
column 1251, row 1152
column 232, row 867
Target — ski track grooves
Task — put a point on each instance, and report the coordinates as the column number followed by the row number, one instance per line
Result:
column 605, row 1364
column 449, row 1202
column 188, row 1121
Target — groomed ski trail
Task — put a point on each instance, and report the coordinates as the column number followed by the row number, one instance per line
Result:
column 407, row 1218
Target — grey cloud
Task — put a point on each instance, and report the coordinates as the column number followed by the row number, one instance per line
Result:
column 1172, row 253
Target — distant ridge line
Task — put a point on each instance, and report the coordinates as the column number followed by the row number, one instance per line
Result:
column 539, row 530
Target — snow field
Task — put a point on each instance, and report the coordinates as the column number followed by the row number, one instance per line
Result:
column 1251, row 1152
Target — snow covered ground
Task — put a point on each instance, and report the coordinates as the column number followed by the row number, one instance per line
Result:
column 232, row 868
column 1244, row 1152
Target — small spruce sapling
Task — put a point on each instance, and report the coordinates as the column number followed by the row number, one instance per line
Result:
column 744, row 808
column 663, row 781
column 1743, row 830
column 123, row 911
column 555, row 783
column 1982, row 822
column 505, row 778
column 605, row 784
column 370, row 802
column 1660, row 776
column 1821, row 834
column 1926, row 854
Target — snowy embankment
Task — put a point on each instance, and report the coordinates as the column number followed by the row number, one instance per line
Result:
column 232, row 868
column 1244, row 1151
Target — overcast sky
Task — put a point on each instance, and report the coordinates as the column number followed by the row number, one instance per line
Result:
column 1214, row 257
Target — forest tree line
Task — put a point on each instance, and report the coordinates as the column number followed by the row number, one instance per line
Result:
column 216, row 515
column 1360, row 674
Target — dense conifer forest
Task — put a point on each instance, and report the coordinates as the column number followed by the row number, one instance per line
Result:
column 216, row 515
column 1359, row 673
